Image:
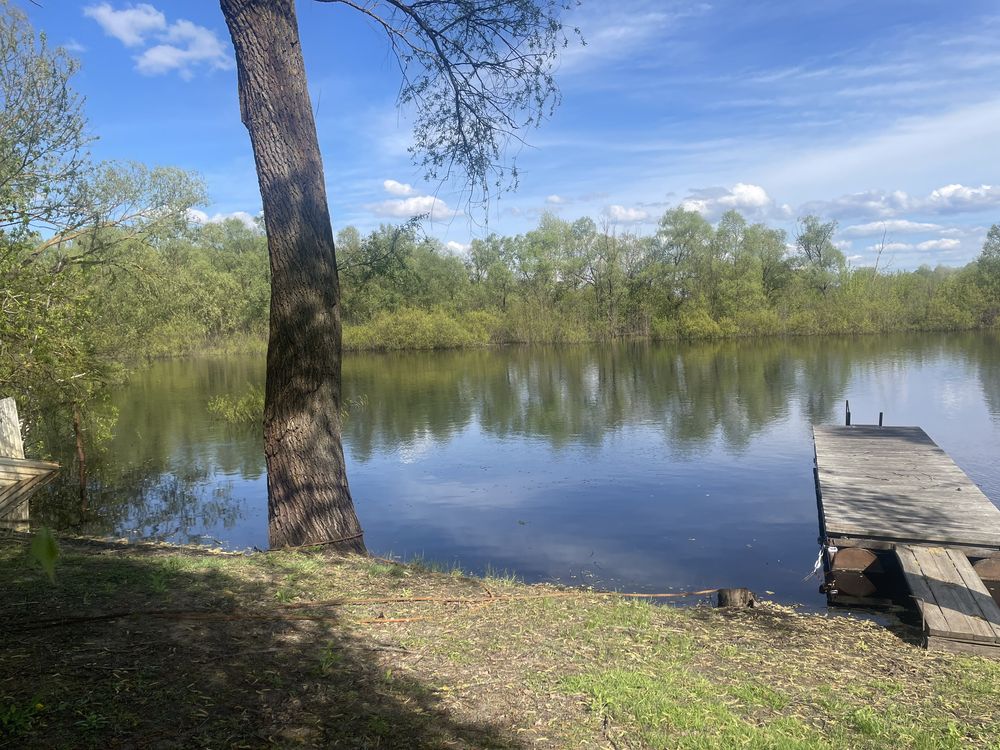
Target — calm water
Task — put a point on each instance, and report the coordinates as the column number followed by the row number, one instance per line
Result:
column 641, row 467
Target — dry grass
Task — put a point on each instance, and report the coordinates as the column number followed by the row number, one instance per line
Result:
column 274, row 650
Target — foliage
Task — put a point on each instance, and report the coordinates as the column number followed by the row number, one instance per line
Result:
column 411, row 329
column 477, row 73
column 245, row 409
column 988, row 267
column 248, row 409
column 79, row 297
column 45, row 551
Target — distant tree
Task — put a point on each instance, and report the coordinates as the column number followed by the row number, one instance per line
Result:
column 818, row 256
column 988, row 265
column 682, row 242
column 478, row 72
column 491, row 265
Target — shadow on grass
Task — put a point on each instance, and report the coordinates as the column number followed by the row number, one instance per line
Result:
column 149, row 681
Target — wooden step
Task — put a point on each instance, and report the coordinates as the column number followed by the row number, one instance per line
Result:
column 958, row 612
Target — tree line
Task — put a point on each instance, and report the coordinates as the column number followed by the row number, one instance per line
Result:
column 576, row 281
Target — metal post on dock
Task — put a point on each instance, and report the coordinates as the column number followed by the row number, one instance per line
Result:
column 848, row 410
column 880, row 419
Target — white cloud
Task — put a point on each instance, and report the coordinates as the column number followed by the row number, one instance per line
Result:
column 872, row 203
column 950, row 199
column 743, row 197
column 555, row 200
column 959, row 198
column 200, row 217
column 929, row 245
column 405, row 208
column 397, row 188
column 456, row 247
column 891, row 225
column 74, row 47
column 130, row 25
column 948, row 244
column 892, row 247
column 186, row 46
column 617, row 31
column 182, row 46
column 936, row 140
column 626, row 215
column 746, row 196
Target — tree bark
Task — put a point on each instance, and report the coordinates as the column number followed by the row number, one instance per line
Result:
column 735, row 598
column 81, row 459
column 309, row 501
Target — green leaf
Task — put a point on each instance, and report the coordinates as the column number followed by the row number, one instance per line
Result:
column 45, row 550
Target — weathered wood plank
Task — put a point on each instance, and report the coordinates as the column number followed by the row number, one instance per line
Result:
column 894, row 483
column 956, row 614
column 988, row 608
column 13, row 463
column 19, row 480
column 10, row 430
column 18, row 494
column 962, row 647
column 935, row 621
column 954, row 599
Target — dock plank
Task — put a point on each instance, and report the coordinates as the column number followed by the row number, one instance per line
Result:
column 988, row 607
column 955, row 605
column 895, row 483
column 935, row 621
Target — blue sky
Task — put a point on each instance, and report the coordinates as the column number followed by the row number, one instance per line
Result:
column 881, row 115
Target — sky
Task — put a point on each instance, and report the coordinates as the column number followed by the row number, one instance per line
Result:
column 881, row 115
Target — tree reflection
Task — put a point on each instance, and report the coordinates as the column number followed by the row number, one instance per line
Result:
column 166, row 470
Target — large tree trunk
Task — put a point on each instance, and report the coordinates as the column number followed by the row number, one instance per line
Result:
column 308, row 498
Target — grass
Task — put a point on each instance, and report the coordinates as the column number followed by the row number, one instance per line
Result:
column 229, row 650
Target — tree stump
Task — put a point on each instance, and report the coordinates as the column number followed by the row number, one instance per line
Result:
column 736, row 598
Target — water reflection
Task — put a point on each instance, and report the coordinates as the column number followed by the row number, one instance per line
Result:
column 697, row 394
column 632, row 464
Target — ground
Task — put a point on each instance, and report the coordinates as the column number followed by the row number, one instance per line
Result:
column 142, row 646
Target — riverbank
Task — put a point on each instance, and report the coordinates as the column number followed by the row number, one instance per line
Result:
column 152, row 646
column 416, row 330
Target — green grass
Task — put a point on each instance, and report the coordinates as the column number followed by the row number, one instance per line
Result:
column 460, row 661
column 676, row 708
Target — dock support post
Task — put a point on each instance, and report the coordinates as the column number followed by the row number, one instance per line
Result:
column 880, row 419
column 848, row 413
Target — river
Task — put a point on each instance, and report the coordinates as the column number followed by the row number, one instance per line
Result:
column 647, row 467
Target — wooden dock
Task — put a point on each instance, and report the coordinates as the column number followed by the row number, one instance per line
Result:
column 893, row 491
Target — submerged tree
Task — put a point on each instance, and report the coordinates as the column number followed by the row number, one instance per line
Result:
column 477, row 73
